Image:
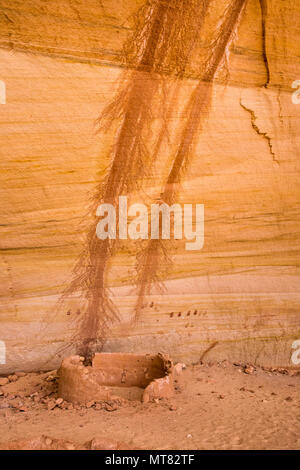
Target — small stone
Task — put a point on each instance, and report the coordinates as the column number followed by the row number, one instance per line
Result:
column 13, row 378
column 3, row 380
column 90, row 404
column 189, row 436
column 98, row 443
column 59, row 401
column 179, row 367
column 221, row 397
column 172, row 408
column 70, row 446
column 48, row 441
column 111, row 407
column 98, row 406
column 249, row 369
column 23, row 409
column 288, row 399
column 51, row 405
column 50, row 378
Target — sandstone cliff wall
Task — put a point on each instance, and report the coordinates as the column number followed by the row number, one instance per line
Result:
column 238, row 298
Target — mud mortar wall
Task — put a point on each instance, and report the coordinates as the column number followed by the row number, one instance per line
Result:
column 112, row 372
column 236, row 299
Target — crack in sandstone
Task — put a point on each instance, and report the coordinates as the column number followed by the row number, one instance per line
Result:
column 263, row 7
column 259, row 132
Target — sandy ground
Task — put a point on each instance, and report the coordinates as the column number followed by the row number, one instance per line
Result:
column 216, row 406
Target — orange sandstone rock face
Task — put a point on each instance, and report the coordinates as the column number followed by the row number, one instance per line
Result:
column 112, row 372
column 238, row 298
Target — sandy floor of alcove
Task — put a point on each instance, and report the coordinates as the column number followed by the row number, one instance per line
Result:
column 216, row 406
